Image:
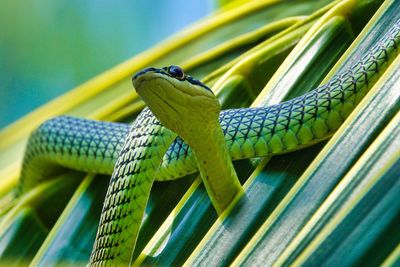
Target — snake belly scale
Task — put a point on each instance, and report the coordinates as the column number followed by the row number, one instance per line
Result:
column 146, row 151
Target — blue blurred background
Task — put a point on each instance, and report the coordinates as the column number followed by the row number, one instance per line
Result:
column 48, row 47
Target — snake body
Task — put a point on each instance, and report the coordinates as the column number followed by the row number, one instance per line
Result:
column 143, row 151
column 129, row 190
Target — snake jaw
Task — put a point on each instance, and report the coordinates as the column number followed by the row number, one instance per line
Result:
column 180, row 105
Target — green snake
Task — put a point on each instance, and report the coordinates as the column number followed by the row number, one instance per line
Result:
column 138, row 154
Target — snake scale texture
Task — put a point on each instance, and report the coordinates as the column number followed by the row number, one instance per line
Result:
column 136, row 155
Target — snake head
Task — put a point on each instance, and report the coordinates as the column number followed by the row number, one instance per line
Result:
column 180, row 102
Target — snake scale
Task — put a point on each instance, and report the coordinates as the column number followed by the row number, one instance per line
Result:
column 137, row 154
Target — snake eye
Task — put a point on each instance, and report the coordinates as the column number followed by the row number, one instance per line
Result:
column 176, row 72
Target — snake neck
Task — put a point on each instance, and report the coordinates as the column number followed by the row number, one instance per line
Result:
column 215, row 166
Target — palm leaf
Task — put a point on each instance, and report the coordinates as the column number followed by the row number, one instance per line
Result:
column 309, row 207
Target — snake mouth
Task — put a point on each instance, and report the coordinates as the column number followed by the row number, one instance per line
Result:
column 138, row 83
column 142, row 79
column 155, row 101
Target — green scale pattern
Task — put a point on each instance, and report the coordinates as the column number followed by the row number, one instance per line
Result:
column 294, row 124
column 86, row 145
column 249, row 132
column 129, row 190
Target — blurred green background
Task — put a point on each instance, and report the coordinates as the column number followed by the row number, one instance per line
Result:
column 48, row 47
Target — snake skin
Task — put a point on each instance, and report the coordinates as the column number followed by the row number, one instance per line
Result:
column 86, row 145
column 249, row 132
column 300, row 122
column 129, row 190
